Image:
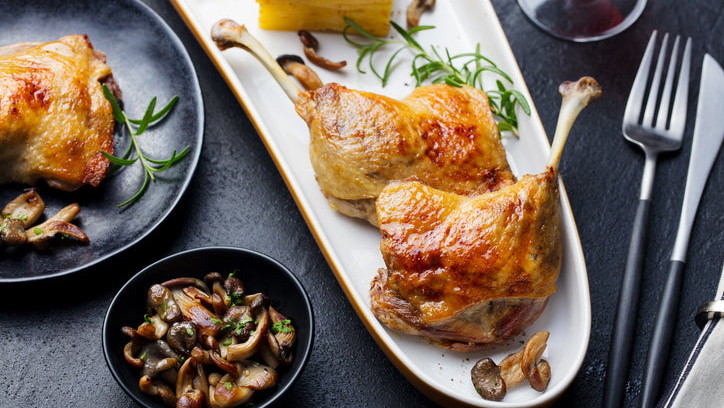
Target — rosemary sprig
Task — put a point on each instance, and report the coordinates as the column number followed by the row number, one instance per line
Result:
column 441, row 67
column 135, row 128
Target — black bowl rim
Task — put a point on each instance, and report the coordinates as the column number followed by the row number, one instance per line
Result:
column 292, row 376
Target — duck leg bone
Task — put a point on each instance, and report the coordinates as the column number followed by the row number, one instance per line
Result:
column 227, row 34
column 576, row 96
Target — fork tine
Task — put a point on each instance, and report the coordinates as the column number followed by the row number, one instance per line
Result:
column 638, row 89
column 678, row 114
column 663, row 114
column 655, row 82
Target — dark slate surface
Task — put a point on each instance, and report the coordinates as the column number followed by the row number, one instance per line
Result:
column 50, row 332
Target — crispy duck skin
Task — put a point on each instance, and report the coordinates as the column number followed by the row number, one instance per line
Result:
column 54, row 118
column 467, row 272
column 360, row 141
column 470, row 272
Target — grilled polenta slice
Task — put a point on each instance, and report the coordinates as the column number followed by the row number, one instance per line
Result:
column 325, row 15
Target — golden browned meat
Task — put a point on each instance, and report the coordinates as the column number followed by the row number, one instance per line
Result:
column 54, row 119
column 467, row 271
column 360, row 141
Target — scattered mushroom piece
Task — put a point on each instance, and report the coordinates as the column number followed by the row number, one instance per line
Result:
column 12, row 232
column 513, row 369
column 510, row 369
column 311, row 44
column 161, row 300
column 242, row 351
column 153, row 328
column 222, row 363
column 41, row 234
column 281, row 337
column 23, row 211
column 191, row 385
column 157, row 388
column 207, row 322
column 267, row 355
column 27, row 207
column 487, row 380
column 158, row 358
column 415, row 10
column 182, row 337
column 183, row 282
column 227, row 393
column 132, row 348
column 257, row 376
column 219, row 299
column 197, row 294
column 537, row 371
column 294, row 66
column 235, row 287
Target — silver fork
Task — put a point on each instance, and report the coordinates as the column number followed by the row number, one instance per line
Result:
column 665, row 134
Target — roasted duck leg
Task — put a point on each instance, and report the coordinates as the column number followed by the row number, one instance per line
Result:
column 359, row 141
column 54, row 119
column 469, row 272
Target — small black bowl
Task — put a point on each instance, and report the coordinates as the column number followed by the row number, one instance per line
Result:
column 259, row 273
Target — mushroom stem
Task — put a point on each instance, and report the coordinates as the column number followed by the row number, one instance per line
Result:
column 59, row 223
column 227, row 33
column 576, row 96
column 415, row 10
column 238, row 352
column 27, row 207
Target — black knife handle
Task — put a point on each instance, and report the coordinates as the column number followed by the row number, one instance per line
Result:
column 661, row 338
column 619, row 353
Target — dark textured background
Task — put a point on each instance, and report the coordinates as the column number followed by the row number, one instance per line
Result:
column 50, row 332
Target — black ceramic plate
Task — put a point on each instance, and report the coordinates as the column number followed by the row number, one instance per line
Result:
column 259, row 273
column 147, row 60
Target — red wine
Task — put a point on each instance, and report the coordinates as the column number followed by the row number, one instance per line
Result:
column 579, row 18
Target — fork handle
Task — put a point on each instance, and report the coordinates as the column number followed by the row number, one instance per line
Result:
column 664, row 325
column 625, row 320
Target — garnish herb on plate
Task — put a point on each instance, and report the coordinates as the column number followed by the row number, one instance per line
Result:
column 134, row 153
column 441, row 67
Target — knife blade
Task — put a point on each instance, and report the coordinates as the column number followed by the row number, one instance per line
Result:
column 698, row 383
column 708, row 136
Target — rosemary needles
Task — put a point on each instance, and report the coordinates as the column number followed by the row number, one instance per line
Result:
column 439, row 66
column 134, row 153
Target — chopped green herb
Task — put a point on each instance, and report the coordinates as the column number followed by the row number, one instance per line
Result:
column 236, row 299
column 189, row 331
column 282, row 326
column 143, row 356
column 21, row 217
column 228, row 385
column 215, row 320
column 4, row 225
column 37, row 230
column 147, row 319
column 227, row 343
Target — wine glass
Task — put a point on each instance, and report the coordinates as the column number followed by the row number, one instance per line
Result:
column 583, row 20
